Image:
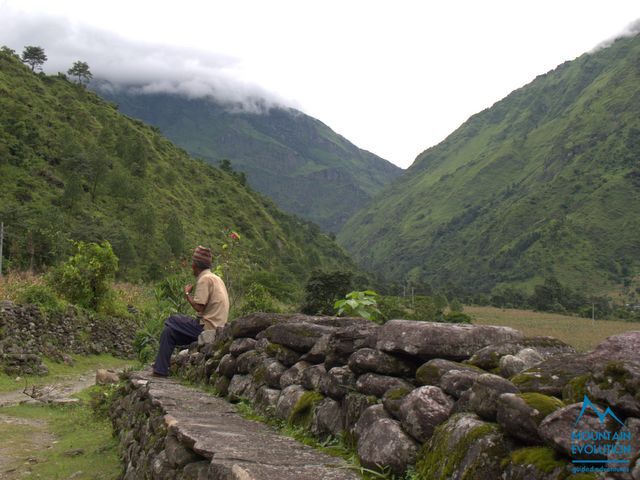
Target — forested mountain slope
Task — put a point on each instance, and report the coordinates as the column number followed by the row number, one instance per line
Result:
column 296, row 160
column 544, row 183
column 73, row 167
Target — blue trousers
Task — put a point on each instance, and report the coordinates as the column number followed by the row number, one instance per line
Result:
column 178, row 330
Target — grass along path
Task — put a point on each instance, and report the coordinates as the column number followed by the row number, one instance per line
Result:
column 57, row 442
column 581, row 333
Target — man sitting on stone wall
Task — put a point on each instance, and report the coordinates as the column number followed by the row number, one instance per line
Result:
column 209, row 300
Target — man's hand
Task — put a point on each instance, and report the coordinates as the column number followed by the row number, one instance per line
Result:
column 187, row 289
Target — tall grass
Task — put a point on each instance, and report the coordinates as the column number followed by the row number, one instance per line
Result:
column 581, row 333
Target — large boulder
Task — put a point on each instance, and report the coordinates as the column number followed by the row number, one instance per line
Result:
column 464, row 447
column 370, row 360
column 296, row 336
column 571, row 430
column 377, row 385
column 623, row 347
column 422, row 410
column 485, row 392
column 428, row 340
column 489, row 357
column 383, row 443
column 520, row 414
column 551, row 376
column 343, row 342
column 617, row 384
column 627, row 447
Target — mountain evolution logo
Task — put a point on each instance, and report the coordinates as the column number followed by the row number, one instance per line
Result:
column 600, row 448
column 586, row 403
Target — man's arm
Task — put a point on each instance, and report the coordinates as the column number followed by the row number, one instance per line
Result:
column 198, row 307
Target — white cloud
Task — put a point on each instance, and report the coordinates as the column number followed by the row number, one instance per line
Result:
column 145, row 67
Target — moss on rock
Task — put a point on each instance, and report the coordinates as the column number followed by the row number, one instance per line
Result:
column 444, row 453
column 542, row 403
column 302, row 411
column 575, row 390
column 543, row 458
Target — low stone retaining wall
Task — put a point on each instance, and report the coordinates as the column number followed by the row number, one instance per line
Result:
column 456, row 401
column 171, row 432
column 26, row 335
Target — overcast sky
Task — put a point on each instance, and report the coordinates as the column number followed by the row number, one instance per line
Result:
column 393, row 77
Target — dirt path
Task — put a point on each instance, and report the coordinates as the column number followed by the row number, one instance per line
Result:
column 29, row 435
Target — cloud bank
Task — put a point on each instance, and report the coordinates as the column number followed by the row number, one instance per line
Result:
column 137, row 66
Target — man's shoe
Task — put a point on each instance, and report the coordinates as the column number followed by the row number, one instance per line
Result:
column 159, row 375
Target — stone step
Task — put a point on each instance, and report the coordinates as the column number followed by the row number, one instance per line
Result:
column 236, row 448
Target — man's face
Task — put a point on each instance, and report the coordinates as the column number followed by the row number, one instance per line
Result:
column 194, row 269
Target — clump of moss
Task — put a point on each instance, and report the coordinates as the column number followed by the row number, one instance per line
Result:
column 397, row 393
column 543, row 458
column 439, row 459
column 303, row 409
column 544, row 404
column 259, row 375
column 614, row 373
column 575, row 390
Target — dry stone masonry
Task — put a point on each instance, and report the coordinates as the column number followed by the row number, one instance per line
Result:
column 453, row 401
column 27, row 335
column 169, row 431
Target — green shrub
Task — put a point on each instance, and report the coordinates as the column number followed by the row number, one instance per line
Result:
column 456, row 317
column 359, row 304
column 323, row 289
column 258, row 299
column 86, row 278
column 44, row 297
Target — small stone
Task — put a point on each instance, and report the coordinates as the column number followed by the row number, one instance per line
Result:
column 377, row 385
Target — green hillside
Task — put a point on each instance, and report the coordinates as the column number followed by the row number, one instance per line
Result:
column 73, row 167
column 544, row 183
column 298, row 161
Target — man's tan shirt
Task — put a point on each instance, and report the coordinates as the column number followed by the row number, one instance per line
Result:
column 211, row 292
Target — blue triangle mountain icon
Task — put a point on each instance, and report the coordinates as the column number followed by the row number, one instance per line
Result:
column 601, row 415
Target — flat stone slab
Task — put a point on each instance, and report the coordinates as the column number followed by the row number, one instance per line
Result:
column 428, row 340
column 237, row 447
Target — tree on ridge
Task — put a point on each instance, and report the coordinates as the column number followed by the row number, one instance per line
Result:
column 34, row 57
column 81, row 70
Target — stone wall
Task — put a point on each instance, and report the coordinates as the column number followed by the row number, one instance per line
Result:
column 26, row 335
column 458, row 401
